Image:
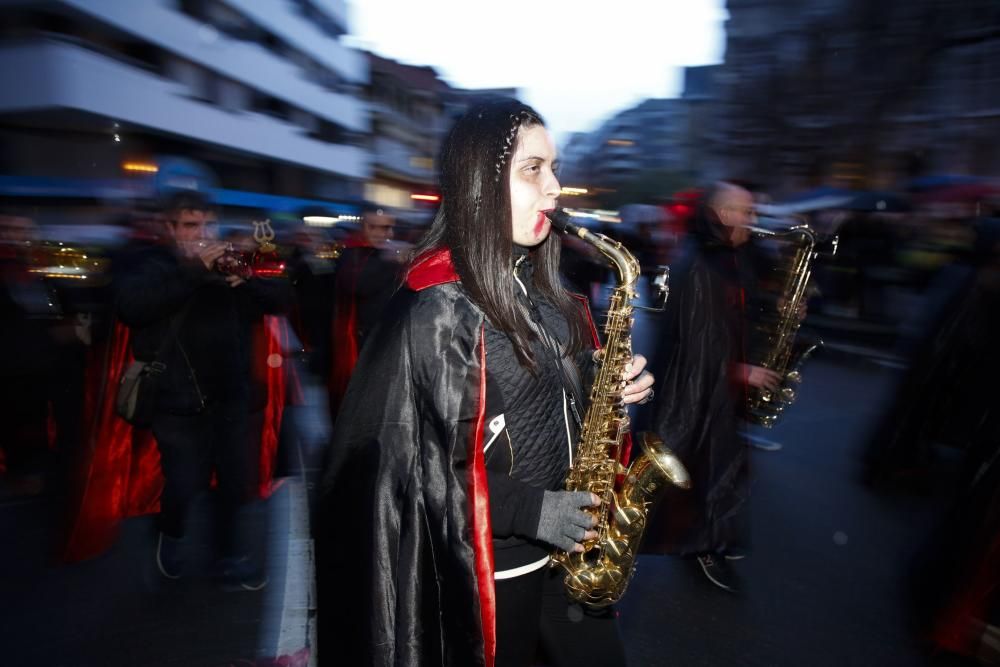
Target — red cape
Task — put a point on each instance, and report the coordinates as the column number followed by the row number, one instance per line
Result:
column 344, row 341
column 120, row 476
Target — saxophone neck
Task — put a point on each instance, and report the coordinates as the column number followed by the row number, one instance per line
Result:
column 625, row 263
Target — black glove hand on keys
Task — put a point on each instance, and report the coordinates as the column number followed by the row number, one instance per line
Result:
column 562, row 523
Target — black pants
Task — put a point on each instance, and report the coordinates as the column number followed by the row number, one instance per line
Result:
column 24, row 414
column 533, row 612
column 191, row 448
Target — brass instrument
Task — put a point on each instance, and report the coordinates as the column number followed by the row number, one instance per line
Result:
column 598, row 576
column 261, row 262
column 782, row 355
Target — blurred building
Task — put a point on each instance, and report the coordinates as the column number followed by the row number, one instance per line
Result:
column 701, row 137
column 457, row 100
column 572, row 155
column 408, row 119
column 651, row 149
column 256, row 100
column 630, row 144
column 412, row 110
column 855, row 93
column 845, row 93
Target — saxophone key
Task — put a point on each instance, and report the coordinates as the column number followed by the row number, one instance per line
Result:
column 630, row 520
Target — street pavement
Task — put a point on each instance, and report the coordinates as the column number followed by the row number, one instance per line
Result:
column 116, row 609
column 828, row 579
column 825, row 583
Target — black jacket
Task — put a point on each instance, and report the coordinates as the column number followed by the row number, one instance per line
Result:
column 364, row 282
column 530, row 429
column 209, row 360
column 405, row 538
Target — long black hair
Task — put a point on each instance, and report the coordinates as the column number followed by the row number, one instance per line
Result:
column 474, row 222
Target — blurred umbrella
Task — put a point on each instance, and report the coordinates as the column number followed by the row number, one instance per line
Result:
column 967, row 192
column 877, row 202
column 800, row 206
column 935, row 181
column 818, row 193
column 633, row 215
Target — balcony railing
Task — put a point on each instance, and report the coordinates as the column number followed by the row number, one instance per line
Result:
column 246, row 62
column 55, row 76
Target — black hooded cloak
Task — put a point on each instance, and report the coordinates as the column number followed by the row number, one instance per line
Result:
column 702, row 394
column 406, row 568
column 405, row 564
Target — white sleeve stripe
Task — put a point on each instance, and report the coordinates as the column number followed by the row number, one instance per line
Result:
column 524, row 569
column 569, row 436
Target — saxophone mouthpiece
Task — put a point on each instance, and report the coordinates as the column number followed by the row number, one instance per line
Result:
column 560, row 220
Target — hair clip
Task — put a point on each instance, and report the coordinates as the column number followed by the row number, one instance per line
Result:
column 516, row 120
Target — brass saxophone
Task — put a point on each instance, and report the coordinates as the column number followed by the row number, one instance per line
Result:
column 598, row 576
column 782, row 355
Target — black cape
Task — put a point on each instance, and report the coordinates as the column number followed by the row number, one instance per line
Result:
column 701, row 397
column 947, row 391
column 405, row 566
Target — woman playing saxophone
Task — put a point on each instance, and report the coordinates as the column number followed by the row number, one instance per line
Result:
column 444, row 495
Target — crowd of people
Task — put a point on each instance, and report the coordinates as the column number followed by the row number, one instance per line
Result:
column 457, row 375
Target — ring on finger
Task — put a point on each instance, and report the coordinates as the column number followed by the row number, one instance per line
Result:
column 648, row 397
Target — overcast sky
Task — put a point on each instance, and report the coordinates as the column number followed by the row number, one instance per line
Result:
column 576, row 61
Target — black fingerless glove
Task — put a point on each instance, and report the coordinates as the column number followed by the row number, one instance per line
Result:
column 562, row 523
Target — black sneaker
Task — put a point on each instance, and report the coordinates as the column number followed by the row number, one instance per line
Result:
column 735, row 554
column 241, row 574
column 168, row 557
column 718, row 572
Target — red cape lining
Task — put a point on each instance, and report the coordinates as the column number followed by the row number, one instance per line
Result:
column 121, row 476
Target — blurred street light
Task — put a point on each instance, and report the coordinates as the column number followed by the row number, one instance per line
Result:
column 145, row 167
